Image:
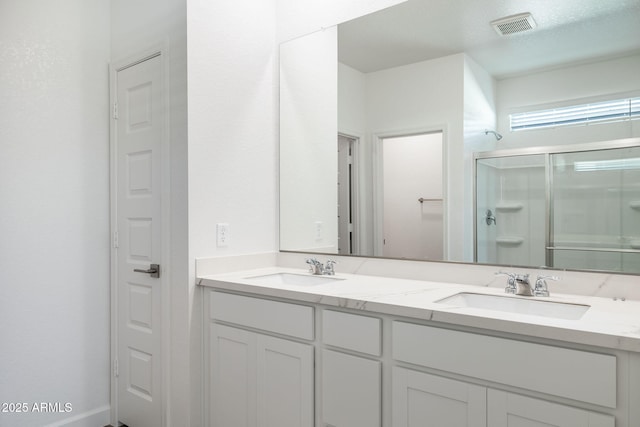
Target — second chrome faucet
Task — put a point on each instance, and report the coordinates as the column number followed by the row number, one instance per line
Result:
column 519, row 284
column 316, row 267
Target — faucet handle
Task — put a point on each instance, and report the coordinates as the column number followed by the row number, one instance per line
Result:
column 541, row 289
column 511, row 281
column 328, row 267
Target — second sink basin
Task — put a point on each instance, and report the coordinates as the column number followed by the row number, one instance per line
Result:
column 513, row 304
column 293, row 279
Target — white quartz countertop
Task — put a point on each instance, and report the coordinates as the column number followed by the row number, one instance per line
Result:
column 610, row 323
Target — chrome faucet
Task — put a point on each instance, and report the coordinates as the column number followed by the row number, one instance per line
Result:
column 517, row 284
column 316, row 267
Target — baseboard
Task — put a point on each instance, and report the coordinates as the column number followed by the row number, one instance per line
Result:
column 96, row 417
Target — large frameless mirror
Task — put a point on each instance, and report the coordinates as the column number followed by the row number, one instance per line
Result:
column 382, row 118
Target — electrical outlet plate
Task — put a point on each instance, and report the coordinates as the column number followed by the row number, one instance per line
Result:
column 222, row 234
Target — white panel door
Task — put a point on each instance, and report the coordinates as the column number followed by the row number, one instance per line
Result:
column 512, row 410
column 285, row 386
column 139, row 131
column 412, row 170
column 425, row 400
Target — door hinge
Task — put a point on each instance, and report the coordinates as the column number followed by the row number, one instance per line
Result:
column 115, row 240
column 115, row 368
column 115, row 110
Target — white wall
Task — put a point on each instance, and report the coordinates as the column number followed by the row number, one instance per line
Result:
column 308, row 142
column 569, row 85
column 54, row 209
column 352, row 118
column 232, row 126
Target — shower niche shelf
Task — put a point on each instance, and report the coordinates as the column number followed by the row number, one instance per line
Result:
column 635, row 204
column 509, row 240
column 509, row 206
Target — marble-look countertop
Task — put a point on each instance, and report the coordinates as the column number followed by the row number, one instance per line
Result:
column 610, row 323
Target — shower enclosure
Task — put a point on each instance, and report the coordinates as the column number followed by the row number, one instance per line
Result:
column 575, row 206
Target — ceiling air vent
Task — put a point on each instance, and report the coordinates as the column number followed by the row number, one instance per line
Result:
column 514, row 24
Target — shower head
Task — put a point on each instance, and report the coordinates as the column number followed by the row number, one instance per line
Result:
column 496, row 134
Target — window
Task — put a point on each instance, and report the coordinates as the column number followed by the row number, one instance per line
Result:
column 608, row 111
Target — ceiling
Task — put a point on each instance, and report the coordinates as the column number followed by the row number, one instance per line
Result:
column 568, row 31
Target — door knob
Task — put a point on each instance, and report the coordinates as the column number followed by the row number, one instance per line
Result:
column 154, row 270
column 489, row 218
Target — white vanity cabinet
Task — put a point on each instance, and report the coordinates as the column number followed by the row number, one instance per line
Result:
column 351, row 380
column 429, row 400
column 278, row 363
column 583, row 376
column 255, row 379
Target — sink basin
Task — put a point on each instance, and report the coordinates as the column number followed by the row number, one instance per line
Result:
column 293, row 279
column 513, row 304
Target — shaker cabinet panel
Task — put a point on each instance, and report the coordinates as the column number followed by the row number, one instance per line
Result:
column 425, row 400
column 272, row 316
column 285, row 383
column 351, row 390
column 512, row 410
column 231, row 377
column 352, row 331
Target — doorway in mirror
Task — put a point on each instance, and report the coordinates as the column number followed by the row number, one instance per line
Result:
column 347, row 202
column 412, row 197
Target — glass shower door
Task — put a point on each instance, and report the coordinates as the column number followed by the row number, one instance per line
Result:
column 595, row 219
column 511, row 210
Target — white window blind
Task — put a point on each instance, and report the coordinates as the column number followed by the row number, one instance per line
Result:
column 619, row 109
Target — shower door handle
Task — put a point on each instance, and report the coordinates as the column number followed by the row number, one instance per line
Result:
column 153, row 270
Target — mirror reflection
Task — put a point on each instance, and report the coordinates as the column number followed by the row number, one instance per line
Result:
column 383, row 117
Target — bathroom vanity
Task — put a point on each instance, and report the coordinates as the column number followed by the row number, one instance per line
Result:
column 285, row 349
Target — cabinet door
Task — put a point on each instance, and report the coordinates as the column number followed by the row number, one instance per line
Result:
column 351, row 394
column 285, row 372
column 231, row 378
column 512, row 410
column 426, row 400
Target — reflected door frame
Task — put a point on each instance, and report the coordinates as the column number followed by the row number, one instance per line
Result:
column 377, row 139
column 355, row 195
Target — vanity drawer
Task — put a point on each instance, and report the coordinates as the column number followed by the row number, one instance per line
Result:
column 271, row 316
column 574, row 374
column 352, row 332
